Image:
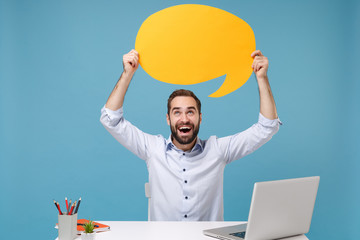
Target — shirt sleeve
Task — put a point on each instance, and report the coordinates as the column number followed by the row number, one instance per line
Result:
column 125, row 133
column 241, row 144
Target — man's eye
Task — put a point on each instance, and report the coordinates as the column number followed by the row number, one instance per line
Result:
column 191, row 113
column 176, row 113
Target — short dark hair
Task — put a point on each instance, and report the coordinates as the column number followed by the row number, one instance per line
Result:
column 183, row 93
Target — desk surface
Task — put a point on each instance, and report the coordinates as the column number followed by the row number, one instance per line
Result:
column 163, row 230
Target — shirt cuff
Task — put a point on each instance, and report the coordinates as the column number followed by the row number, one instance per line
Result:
column 111, row 116
column 268, row 122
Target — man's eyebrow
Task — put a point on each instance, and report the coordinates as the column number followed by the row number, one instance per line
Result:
column 177, row 108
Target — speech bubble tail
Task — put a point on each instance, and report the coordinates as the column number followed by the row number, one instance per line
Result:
column 233, row 81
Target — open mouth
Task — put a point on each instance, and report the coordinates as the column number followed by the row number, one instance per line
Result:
column 184, row 129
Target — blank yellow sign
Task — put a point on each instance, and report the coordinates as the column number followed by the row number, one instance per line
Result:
column 189, row 44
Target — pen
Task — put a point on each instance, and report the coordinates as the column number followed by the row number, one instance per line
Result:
column 67, row 205
column 83, row 224
column 77, row 206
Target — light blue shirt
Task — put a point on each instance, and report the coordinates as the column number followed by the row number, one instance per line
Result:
column 187, row 186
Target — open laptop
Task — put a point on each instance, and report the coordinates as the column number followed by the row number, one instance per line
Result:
column 278, row 209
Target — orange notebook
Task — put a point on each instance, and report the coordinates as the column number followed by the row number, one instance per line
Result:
column 99, row 227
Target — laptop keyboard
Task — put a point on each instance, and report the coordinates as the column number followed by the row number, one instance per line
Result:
column 238, row 234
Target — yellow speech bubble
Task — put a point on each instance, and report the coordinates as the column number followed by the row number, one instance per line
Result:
column 190, row 43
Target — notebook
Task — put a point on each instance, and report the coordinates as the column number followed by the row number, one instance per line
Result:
column 99, row 227
column 278, row 209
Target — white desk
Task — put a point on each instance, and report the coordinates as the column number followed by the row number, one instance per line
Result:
column 163, row 230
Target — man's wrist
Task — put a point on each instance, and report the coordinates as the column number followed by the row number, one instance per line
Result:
column 126, row 77
column 263, row 80
column 127, row 74
column 262, row 77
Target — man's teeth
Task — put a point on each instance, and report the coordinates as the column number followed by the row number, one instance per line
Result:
column 184, row 128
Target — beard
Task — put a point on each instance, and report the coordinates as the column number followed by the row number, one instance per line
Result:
column 181, row 139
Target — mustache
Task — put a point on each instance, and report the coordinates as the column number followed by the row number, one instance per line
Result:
column 184, row 124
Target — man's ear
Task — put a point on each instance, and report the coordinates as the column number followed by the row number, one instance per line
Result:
column 168, row 119
column 200, row 117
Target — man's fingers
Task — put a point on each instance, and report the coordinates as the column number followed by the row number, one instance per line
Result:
column 133, row 60
column 134, row 51
column 259, row 61
column 257, row 64
column 132, row 55
column 136, row 58
column 256, row 53
column 256, row 67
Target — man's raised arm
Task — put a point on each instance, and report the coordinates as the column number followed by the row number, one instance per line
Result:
column 267, row 102
column 130, row 65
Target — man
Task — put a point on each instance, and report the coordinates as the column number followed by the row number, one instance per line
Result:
column 185, row 172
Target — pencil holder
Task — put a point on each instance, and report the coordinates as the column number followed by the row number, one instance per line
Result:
column 67, row 227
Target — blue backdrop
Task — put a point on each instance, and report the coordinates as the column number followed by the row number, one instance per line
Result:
column 61, row 59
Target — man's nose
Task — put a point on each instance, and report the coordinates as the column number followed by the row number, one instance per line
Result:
column 184, row 117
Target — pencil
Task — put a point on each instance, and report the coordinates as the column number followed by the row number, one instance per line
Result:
column 77, row 206
column 67, row 205
column 73, row 210
column 72, row 207
column 58, row 207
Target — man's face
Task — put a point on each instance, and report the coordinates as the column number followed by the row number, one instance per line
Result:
column 184, row 120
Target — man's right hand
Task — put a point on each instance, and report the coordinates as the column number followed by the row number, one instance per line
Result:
column 131, row 62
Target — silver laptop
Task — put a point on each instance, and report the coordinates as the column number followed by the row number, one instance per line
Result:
column 278, row 209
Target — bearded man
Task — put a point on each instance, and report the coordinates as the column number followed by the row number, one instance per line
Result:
column 185, row 172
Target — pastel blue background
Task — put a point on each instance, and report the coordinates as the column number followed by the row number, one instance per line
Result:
column 61, row 59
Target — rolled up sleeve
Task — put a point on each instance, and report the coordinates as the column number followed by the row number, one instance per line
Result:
column 125, row 133
column 110, row 118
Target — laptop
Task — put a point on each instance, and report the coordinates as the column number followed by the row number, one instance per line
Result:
column 278, row 209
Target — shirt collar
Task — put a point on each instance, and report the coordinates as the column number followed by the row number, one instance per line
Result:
column 198, row 145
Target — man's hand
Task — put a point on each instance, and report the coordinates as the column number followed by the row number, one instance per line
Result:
column 267, row 102
column 131, row 62
column 260, row 64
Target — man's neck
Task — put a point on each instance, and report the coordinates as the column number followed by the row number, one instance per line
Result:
column 184, row 147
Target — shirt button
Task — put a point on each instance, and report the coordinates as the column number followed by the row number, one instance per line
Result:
column 185, row 216
column 184, row 169
column 183, row 154
column 186, row 197
column 185, row 181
